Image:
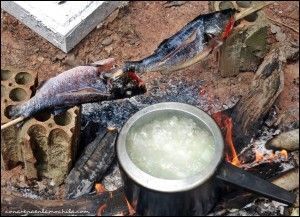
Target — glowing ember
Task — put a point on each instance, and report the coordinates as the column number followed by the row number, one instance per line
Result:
column 136, row 78
column 225, row 123
column 101, row 210
column 258, row 156
column 284, row 154
column 131, row 210
column 99, row 188
column 228, row 28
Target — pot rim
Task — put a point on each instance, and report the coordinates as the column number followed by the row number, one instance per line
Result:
column 166, row 185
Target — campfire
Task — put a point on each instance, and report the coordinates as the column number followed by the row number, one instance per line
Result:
column 90, row 179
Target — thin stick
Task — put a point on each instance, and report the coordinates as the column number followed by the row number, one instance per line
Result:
column 283, row 24
column 3, row 167
column 15, row 121
column 251, row 10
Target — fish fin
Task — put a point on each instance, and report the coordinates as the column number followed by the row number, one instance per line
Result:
column 183, row 45
column 207, row 37
column 86, row 90
column 194, row 37
column 104, row 65
column 59, row 111
column 69, row 99
column 41, row 84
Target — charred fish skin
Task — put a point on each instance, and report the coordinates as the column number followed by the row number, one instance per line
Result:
column 189, row 45
column 62, row 89
column 82, row 84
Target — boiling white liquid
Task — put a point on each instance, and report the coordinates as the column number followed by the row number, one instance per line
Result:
column 170, row 147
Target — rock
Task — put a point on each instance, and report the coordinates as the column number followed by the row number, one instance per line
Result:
column 109, row 19
column 288, row 141
column 290, row 51
column 295, row 212
column 71, row 60
column 289, row 181
column 41, row 59
column 60, row 56
column 279, row 35
column 244, row 49
column 108, row 49
column 296, row 204
column 295, row 155
column 41, row 186
column 244, row 4
column 107, row 41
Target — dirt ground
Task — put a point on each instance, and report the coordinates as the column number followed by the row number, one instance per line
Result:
column 134, row 33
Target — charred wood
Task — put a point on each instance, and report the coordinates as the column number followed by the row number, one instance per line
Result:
column 252, row 107
column 92, row 165
column 266, row 170
column 267, row 84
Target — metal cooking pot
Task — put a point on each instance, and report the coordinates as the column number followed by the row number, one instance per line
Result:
column 195, row 195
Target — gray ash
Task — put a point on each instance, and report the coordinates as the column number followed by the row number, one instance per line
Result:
column 116, row 113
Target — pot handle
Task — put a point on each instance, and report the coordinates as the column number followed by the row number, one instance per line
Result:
column 241, row 178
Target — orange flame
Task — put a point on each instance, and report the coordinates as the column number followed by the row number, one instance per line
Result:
column 258, row 156
column 99, row 188
column 225, row 123
column 284, row 153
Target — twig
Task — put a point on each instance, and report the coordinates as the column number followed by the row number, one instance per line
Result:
column 287, row 16
column 252, row 9
column 15, row 121
column 3, row 167
column 283, row 24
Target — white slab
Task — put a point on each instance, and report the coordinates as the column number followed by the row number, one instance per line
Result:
column 64, row 25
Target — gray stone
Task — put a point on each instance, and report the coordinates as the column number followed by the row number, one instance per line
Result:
column 107, row 41
column 288, row 141
column 244, row 49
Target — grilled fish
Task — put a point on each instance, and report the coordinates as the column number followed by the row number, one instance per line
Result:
column 188, row 46
column 82, row 84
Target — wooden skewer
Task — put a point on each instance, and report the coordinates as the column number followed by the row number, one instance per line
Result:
column 283, row 24
column 251, row 10
column 15, row 121
column 119, row 72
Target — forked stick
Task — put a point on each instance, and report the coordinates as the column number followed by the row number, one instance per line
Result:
column 15, row 121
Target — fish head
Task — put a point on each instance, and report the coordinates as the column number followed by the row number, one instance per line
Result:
column 220, row 23
column 127, row 85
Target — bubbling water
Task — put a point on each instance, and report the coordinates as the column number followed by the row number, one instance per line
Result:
column 170, row 147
